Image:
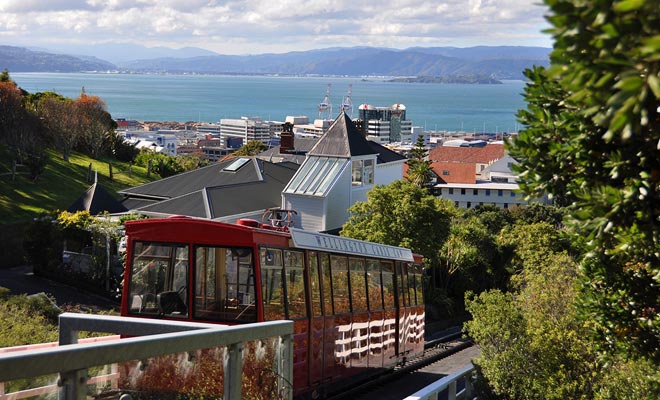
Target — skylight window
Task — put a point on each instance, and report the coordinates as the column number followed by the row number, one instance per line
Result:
column 236, row 164
column 315, row 176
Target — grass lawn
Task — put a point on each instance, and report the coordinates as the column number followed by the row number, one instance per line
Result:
column 60, row 184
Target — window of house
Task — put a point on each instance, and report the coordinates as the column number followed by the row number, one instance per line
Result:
column 451, row 190
column 357, row 172
column 487, row 192
column 513, row 194
column 463, row 191
column 445, row 172
column 368, row 172
column 475, row 192
column 363, row 172
column 469, row 204
column 500, row 192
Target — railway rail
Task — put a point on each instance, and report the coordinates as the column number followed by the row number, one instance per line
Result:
column 435, row 349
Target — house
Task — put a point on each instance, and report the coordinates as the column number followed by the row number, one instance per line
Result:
column 338, row 171
column 224, row 191
column 463, row 164
column 474, row 176
column 318, row 178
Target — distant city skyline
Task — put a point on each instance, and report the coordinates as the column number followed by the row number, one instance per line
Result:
column 255, row 27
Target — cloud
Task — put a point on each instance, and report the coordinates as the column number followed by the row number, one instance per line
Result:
column 239, row 27
column 36, row 6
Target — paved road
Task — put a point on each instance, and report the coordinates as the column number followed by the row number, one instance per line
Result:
column 21, row 280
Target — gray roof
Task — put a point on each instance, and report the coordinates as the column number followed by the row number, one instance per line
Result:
column 96, row 200
column 385, row 155
column 342, row 139
column 214, row 192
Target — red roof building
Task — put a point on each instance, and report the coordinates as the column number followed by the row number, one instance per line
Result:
column 463, row 164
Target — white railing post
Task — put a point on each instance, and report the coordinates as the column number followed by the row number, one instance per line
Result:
column 285, row 367
column 451, row 391
column 233, row 371
column 73, row 384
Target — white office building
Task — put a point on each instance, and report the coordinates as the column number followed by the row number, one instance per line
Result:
column 237, row 132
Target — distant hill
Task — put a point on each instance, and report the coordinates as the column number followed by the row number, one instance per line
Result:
column 501, row 62
column 19, row 59
column 117, row 53
column 504, row 62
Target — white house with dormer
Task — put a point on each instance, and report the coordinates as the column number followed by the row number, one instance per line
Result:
column 337, row 172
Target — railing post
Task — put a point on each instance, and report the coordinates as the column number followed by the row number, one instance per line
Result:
column 233, row 372
column 285, row 367
column 67, row 335
column 73, row 385
column 469, row 379
column 451, row 391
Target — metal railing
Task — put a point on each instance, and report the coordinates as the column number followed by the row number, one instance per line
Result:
column 71, row 360
column 450, row 384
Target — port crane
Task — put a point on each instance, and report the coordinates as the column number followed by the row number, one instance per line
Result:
column 325, row 108
column 346, row 104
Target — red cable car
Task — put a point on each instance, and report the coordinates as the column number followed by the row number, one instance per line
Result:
column 357, row 306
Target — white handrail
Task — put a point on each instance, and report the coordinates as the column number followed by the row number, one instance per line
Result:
column 72, row 359
column 448, row 383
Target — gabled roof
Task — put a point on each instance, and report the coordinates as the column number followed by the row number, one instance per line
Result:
column 342, row 139
column 385, row 155
column 96, row 200
column 502, row 165
column 188, row 182
column 303, row 145
column 231, row 198
column 455, row 172
column 478, row 155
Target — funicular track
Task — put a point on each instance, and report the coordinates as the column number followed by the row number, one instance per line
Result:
column 434, row 350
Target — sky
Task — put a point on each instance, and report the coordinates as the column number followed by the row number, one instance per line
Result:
column 273, row 26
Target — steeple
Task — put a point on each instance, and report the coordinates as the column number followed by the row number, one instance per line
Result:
column 343, row 139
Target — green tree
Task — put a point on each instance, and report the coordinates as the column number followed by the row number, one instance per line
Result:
column 404, row 214
column 603, row 130
column 251, row 148
column 401, row 214
column 59, row 116
column 95, row 125
column 20, row 129
column 533, row 345
column 419, row 166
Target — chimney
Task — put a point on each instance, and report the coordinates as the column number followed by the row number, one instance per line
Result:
column 286, row 138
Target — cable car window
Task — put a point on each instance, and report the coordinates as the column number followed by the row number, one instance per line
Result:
column 317, row 305
column 326, row 282
column 419, row 288
column 224, row 284
column 388, row 284
column 411, row 284
column 374, row 285
column 272, row 288
column 159, row 280
column 415, row 279
column 402, row 279
column 358, row 284
column 295, row 284
column 340, row 289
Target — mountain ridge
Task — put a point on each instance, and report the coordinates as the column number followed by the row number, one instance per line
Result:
column 497, row 62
